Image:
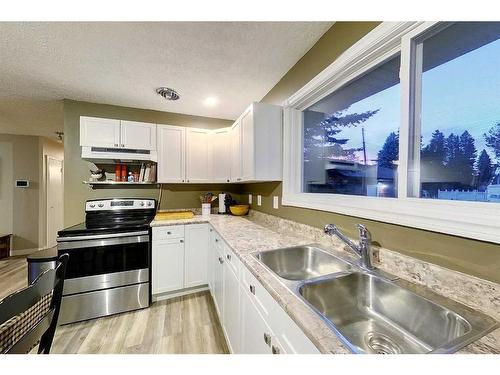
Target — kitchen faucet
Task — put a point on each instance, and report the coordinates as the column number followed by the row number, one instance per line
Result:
column 363, row 249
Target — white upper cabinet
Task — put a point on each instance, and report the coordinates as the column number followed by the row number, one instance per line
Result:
column 221, row 158
column 256, row 144
column 171, row 150
column 138, row 135
column 99, row 132
column 247, row 146
column 109, row 133
column 235, row 135
column 198, row 155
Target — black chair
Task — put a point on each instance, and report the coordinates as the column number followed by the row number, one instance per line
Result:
column 29, row 316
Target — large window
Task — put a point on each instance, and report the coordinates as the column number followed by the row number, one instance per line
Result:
column 459, row 75
column 351, row 137
column 404, row 127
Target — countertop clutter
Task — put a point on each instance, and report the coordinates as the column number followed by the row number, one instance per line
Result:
column 261, row 232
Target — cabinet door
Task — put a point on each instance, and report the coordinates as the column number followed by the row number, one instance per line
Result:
column 171, row 147
column 197, row 155
column 196, row 250
column 256, row 336
column 231, row 317
column 167, row 265
column 210, row 259
column 221, row 158
column 138, row 135
column 99, row 132
column 219, row 282
column 235, row 135
column 247, row 147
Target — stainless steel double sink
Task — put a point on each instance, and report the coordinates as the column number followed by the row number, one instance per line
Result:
column 372, row 312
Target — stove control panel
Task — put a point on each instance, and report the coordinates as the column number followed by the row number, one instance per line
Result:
column 119, row 204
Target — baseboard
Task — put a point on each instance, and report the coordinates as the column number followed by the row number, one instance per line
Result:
column 179, row 293
column 21, row 252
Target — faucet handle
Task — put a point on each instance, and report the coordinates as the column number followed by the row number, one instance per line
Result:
column 330, row 228
column 364, row 234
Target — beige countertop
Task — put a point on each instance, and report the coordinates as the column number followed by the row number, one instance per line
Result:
column 245, row 236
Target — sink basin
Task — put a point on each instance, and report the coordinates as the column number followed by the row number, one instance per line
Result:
column 373, row 315
column 302, row 262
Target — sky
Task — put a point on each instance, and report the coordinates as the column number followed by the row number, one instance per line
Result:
column 462, row 94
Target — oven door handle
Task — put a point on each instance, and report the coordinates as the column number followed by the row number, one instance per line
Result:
column 102, row 242
column 99, row 236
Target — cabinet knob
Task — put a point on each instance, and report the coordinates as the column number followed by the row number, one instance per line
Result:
column 275, row 350
column 267, row 339
column 169, row 232
column 252, row 289
column 216, row 240
column 221, row 260
column 122, row 145
column 182, row 241
column 116, row 144
column 228, row 256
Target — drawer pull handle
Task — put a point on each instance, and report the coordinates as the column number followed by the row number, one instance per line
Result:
column 275, row 350
column 267, row 339
column 252, row 289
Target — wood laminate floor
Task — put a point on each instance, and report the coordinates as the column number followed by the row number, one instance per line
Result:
column 187, row 324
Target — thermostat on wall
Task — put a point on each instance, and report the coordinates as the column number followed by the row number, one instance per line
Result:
column 22, row 183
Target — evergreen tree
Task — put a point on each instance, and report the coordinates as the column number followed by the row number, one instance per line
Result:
column 452, row 149
column 467, row 156
column 389, row 151
column 324, row 134
column 493, row 139
column 435, row 151
column 484, row 168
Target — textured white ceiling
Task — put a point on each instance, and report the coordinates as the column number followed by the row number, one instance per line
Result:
column 122, row 63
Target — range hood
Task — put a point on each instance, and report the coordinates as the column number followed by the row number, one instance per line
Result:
column 111, row 155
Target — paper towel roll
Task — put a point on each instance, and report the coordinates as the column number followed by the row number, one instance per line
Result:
column 222, row 205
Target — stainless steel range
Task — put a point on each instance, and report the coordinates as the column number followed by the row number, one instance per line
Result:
column 109, row 259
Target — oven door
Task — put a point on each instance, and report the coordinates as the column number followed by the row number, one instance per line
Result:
column 100, row 255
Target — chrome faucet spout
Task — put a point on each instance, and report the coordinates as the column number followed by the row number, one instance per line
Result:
column 362, row 250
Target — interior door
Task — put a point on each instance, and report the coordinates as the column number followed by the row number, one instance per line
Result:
column 197, row 155
column 138, row 135
column 55, row 201
column 171, row 146
column 99, row 132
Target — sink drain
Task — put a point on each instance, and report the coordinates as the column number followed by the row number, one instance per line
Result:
column 381, row 344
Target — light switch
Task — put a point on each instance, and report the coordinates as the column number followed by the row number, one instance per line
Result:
column 275, row 202
column 259, row 200
column 249, row 198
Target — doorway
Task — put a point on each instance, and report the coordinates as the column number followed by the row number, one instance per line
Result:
column 54, row 199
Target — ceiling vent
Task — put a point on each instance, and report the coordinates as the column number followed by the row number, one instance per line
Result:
column 167, row 93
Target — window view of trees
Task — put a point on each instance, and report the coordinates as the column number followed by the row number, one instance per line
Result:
column 451, row 163
column 351, row 137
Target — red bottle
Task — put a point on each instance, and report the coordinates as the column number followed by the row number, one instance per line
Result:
column 124, row 173
column 118, row 172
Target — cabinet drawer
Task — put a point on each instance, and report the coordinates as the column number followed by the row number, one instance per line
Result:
column 171, row 231
column 262, row 299
column 231, row 259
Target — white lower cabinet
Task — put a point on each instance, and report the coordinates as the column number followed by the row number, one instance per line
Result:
column 195, row 255
column 231, row 314
column 256, row 335
column 167, row 265
column 218, row 281
column 253, row 322
column 179, row 257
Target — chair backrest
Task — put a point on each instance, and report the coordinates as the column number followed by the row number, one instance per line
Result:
column 29, row 316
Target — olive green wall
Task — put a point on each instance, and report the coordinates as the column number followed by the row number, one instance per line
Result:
column 477, row 258
column 76, row 170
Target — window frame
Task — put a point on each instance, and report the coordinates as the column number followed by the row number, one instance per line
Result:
column 478, row 220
